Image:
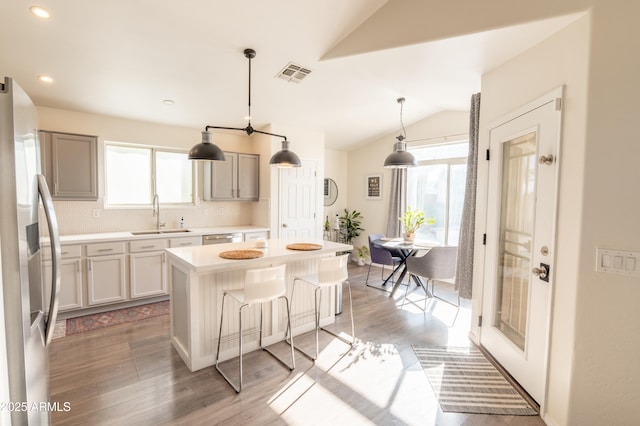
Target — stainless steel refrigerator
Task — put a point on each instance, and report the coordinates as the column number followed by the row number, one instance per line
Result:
column 26, row 320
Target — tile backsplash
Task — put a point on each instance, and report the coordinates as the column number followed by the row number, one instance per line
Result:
column 88, row 217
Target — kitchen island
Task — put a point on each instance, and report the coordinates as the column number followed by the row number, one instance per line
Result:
column 198, row 276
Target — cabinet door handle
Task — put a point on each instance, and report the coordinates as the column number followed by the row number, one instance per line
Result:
column 64, row 252
column 78, row 265
column 106, row 249
column 89, row 264
column 163, row 258
column 146, row 247
column 186, row 244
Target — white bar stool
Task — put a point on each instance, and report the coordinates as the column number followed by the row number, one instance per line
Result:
column 260, row 286
column 332, row 271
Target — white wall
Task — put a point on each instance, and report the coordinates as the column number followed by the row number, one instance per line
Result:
column 593, row 362
column 77, row 216
column 369, row 159
column 335, row 167
column 606, row 367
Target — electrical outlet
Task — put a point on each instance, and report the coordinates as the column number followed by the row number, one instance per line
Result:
column 95, row 213
column 220, row 211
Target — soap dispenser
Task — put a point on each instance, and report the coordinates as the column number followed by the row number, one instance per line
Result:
column 182, row 223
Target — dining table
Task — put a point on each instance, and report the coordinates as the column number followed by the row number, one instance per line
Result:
column 404, row 250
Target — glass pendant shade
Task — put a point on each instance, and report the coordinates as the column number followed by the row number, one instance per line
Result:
column 285, row 158
column 206, row 150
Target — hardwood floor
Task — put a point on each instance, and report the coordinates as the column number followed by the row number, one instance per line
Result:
column 129, row 374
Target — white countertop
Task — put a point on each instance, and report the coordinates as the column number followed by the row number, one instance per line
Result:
column 127, row 235
column 206, row 258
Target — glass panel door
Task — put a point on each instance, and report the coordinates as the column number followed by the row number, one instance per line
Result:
column 516, row 233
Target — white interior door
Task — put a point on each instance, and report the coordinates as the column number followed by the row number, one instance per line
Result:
column 521, row 216
column 298, row 194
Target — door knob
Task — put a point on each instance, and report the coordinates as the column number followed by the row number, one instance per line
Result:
column 542, row 272
column 284, row 225
column 546, row 159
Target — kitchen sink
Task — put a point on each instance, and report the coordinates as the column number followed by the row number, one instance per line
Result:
column 156, row 232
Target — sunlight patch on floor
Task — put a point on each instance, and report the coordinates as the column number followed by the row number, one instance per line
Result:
column 414, row 386
column 307, row 402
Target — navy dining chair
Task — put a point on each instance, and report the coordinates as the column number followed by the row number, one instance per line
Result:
column 381, row 256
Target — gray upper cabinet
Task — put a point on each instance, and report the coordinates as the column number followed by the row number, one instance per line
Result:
column 70, row 165
column 236, row 178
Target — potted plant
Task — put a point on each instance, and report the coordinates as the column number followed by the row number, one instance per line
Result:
column 412, row 220
column 350, row 225
column 362, row 253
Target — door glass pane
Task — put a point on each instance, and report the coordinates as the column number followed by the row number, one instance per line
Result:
column 516, row 232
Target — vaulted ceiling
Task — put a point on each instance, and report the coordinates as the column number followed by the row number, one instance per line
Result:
column 124, row 58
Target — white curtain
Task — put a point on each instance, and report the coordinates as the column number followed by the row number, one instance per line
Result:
column 397, row 202
column 464, row 269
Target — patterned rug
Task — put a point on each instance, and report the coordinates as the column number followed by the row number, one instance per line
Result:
column 464, row 381
column 107, row 319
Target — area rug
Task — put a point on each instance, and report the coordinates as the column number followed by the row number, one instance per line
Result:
column 464, row 381
column 119, row 316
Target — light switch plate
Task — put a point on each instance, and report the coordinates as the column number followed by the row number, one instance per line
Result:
column 618, row 262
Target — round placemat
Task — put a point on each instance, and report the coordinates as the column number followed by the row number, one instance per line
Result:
column 304, row 246
column 241, row 254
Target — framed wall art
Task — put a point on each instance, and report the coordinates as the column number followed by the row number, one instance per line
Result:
column 374, row 187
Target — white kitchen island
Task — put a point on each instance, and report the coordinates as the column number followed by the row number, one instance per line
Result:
column 198, row 276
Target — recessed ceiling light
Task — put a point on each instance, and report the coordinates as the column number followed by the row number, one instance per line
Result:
column 45, row 78
column 168, row 102
column 40, row 12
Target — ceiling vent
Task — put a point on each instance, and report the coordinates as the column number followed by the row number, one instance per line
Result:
column 293, row 73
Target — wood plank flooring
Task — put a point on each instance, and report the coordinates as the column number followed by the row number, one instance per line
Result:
column 129, row 374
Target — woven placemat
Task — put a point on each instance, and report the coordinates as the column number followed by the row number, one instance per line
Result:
column 304, row 246
column 241, row 254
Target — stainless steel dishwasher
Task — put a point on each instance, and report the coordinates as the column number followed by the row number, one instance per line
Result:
column 232, row 237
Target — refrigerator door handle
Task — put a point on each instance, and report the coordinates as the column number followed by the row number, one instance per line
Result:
column 56, row 254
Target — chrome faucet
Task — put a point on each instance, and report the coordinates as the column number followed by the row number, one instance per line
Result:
column 156, row 211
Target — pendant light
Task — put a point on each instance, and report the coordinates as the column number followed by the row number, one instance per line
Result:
column 285, row 158
column 206, row 150
column 400, row 157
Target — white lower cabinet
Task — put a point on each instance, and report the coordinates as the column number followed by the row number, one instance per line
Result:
column 70, row 293
column 106, row 279
column 147, row 268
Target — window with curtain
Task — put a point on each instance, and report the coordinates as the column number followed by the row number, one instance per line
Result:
column 437, row 187
column 135, row 173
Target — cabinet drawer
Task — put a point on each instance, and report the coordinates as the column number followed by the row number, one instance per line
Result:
column 185, row 242
column 147, row 245
column 101, row 249
column 252, row 236
column 67, row 252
